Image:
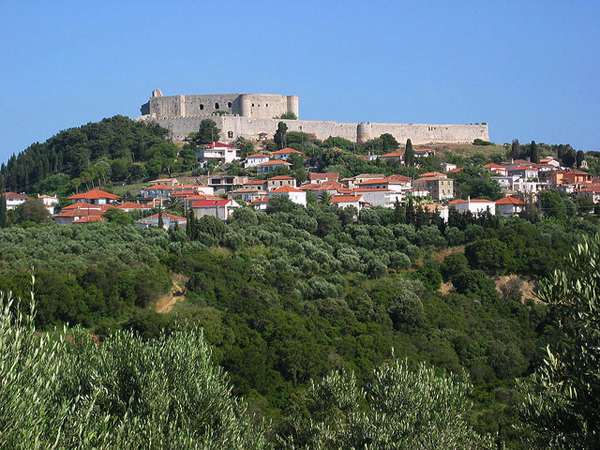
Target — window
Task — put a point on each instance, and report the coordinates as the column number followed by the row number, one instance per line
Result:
column 229, row 104
column 230, row 134
column 216, row 106
column 201, row 106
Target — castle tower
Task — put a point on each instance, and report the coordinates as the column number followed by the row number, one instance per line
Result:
column 363, row 132
column 292, row 105
column 245, row 105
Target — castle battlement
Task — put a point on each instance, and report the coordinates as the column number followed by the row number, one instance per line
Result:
column 249, row 115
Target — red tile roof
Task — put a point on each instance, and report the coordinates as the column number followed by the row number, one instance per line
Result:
column 211, row 203
column 275, row 162
column 285, row 189
column 132, row 205
column 94, row 194
column 509, row 201
column 286, row 151
column 281, row 177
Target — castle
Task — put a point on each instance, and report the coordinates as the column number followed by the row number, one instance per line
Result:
column 256, row 116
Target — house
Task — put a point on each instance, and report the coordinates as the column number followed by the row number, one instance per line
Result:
column 49, row 202
column 260, row 204
column 525, row 172
column 219, row 152
column 270, row 166
column 323, row 177
column 172, row 182
column 576, row 176
column 385, row 183
column 247, row 194
column 81, row 212
column 332, row 188
column 550, row 161
column 222, row 183
column 509, row 206
column 380, row 197
column 447, row 167
column 13, row 200
column 517, row 163
column 295, row 195
column 394, row 156
column 255, row 160
column 284, row 155
column 592, row 192
column 424, row 152
column 351, row 183
column 496, row 169
column 220, row 208
column 474, row 206
column 131, row 206
column 280, row 181
column 157, row 191
column 95, row 197
column 344, row 201
column 440, row 187
column 434, row 208
column 169, row 220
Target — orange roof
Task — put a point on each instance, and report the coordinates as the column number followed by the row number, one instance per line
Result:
column 257, row 155
column 281, row 177
column 286, row 151
column 437, row 178
column 285, row 189
column 458, row 169
column 168, row 216
column 157, row 186
column 493, row 166
column 392, row 155
column 81, row 205
column 94, row 194
column 275, row 162
column 509, row 201
column 344, row 198
column 434, row 174
column 372, row 190
column 132, row 205
column 86, row 219
column 8, row 195
column 522, row 168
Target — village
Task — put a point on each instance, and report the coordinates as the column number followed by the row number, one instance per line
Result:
column 220, row 194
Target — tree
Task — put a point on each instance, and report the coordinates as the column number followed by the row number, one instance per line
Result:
column 117, row 216
column 515, row 150
column 561, row 402
column 579, row 158
column 409, row 154
column 3, row 215
column 405, row 409
column 389, row 142
column 280, row 135
column 32, row 210
column 534, row 153
column 208, row 132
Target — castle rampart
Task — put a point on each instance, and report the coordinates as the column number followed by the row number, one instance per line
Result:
column 249, row 115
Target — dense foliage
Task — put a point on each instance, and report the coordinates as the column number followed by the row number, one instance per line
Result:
column 115, row 149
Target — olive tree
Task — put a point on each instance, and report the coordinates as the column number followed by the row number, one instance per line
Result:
column 561, row 403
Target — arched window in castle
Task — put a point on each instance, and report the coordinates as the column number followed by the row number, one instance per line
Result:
column 216, row 106
column 201, row 106
column 266, row 105
column 229, row 104
column 230, row 134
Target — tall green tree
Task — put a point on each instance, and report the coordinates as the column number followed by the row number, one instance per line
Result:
column 579, row 158
column 208, row 132
column 561, row 402
column 280, row 137
column 389, row 142
column 515, row 150
column 534, row 153
column 3, row 215
column 409, row 154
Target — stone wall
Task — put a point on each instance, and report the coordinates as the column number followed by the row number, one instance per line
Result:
column 233, row 127
column 252, row 114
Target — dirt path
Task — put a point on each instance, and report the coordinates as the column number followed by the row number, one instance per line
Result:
column 177, row 294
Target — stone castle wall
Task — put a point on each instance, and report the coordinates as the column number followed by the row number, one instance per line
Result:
column 249, row 115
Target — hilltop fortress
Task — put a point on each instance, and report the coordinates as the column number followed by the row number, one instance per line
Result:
column 255, row 116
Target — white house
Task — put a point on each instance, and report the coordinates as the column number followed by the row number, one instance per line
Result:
column 95, row 197
column 509, row 206
column 475, row 206
column 295, row 195
column 344, row 201
column 380, row 197
column 255, row 160
column 169, row 220
column 524, row 172
column 284, row 154
column 221, row 209
column 217, row 151
column 270, row 166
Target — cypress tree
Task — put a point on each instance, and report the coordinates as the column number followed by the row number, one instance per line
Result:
column 409, row 154
column 3, row 216
column 534, row 153
column 161, row 224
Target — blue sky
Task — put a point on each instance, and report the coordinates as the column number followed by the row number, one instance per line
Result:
column 528, row 68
